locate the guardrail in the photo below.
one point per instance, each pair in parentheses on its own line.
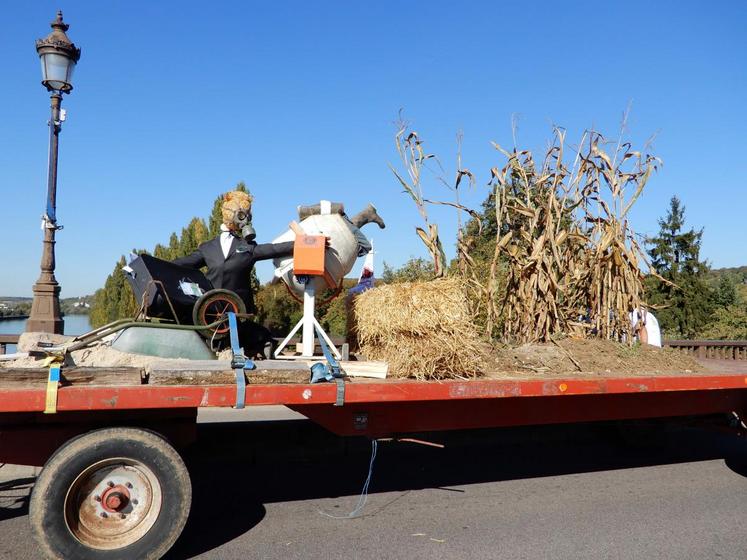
(711,349)
(6,339)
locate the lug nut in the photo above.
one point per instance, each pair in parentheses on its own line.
(129,485)
(134,502)
(122,516)
(110,484)
(104,514)
(97,498)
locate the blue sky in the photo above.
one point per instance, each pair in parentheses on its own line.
(175,102)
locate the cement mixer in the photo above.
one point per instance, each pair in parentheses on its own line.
(346,242)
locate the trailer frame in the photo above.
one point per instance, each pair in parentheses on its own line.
(138,407)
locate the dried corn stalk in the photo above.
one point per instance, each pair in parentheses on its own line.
(612,281)
(540,242)
(414,158)
(573,264)
(565,259)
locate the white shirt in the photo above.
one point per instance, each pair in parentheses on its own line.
(652,327)
(226,239)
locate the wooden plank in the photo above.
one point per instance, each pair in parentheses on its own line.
(223,365)
(77,376)
(219,372)
(377,370)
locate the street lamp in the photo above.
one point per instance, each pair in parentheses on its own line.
(58,57)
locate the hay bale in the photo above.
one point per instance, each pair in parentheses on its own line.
(422,329)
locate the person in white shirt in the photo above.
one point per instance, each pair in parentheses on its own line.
(646,327)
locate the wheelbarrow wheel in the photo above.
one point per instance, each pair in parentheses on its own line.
(214,306)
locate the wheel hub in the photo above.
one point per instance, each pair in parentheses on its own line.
(115,499)
(112,504)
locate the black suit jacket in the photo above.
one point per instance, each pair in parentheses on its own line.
(234,272)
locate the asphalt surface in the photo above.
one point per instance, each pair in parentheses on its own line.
(661,490)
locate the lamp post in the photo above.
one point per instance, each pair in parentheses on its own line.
(58,58)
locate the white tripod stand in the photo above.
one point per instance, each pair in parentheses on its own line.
(310,325)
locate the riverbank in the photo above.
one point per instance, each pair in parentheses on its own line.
(74,325)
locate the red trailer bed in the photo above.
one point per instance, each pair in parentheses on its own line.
(93,486)
(383,407)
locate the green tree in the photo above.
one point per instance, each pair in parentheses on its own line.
(115,300)
(414,270)
(334,320)
(173,251)
(161,252)
(481,231)
(192,236)
(683,295)
(276,309)
(729,323)
(726,293)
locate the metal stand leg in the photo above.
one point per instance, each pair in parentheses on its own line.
(311,327)
(308,320)
(283,344)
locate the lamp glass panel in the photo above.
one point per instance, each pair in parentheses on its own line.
(55,70)
(70,70)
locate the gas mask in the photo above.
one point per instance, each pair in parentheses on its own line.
(242,222)
(237,214)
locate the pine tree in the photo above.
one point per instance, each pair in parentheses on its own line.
(726,294)
(216,218)
(161,252)
(192,236)
(113,301)
(173,246)
(684,294)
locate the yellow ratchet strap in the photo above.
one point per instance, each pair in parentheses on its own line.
(53,383)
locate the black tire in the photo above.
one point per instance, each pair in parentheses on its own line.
(65,499)
(211,306)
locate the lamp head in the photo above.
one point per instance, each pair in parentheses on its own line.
(58,57)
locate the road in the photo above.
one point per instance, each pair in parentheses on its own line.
(545,492)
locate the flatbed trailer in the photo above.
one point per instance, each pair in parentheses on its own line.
(113,483)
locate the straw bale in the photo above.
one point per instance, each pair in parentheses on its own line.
(412,307)
(422,329)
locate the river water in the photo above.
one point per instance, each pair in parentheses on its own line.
(74,324)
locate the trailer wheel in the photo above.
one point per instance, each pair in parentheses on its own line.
(115,493)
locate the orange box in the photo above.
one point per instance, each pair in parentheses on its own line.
(308,255)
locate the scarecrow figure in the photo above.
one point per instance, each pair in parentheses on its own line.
(230,259)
